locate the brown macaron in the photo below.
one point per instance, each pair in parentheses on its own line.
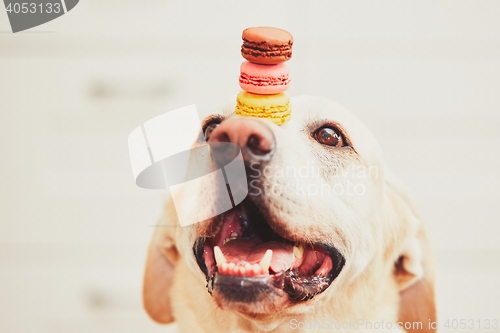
(266,45)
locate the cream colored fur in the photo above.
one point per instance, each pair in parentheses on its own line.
(389,271)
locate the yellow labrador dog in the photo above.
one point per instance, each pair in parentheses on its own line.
(326,239)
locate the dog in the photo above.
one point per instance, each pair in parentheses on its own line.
(327,237)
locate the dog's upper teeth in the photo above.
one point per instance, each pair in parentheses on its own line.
(265,262)
(228,239)
(234,234)
(219,257)
(298,251)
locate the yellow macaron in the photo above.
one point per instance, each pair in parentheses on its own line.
(275,107)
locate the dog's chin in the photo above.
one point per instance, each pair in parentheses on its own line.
(250,268)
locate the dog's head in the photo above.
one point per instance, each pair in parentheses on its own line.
(324,222)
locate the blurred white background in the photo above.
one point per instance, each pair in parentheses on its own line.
(423,75)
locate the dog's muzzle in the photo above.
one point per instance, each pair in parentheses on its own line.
(247,259)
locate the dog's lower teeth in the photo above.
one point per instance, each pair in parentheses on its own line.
(257,269)
(242,269)
(234,234)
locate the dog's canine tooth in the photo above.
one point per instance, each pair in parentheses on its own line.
(265,262)
(298,251)
(219,257)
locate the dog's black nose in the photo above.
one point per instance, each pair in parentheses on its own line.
(254,137)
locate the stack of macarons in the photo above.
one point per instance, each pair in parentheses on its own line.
(264,77)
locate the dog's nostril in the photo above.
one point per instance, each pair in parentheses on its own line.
(254,144)
(220,137)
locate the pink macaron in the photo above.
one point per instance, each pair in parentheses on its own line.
(264,79)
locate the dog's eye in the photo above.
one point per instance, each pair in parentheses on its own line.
(329,136)
(209,129)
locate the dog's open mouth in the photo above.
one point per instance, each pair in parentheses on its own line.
(247,258)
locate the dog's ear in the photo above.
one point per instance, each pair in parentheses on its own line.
(415,276)
(414,268)
(158,277)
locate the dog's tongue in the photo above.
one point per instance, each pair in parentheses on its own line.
(247,250)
